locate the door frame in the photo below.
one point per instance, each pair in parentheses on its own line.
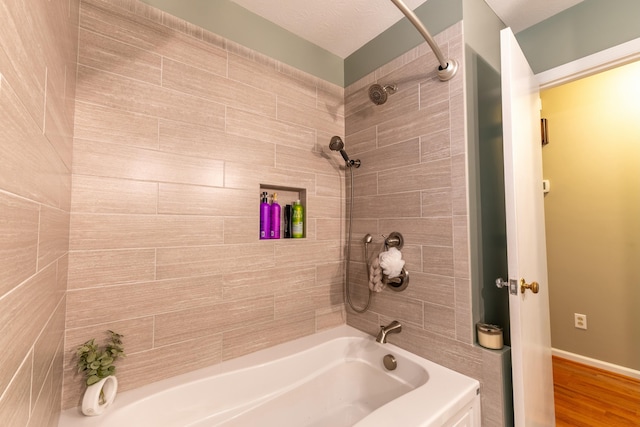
(604,60)
(583,67)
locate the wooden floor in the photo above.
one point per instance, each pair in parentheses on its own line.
(590,397)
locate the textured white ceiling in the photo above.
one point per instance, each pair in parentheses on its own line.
(339,26)
(344,26)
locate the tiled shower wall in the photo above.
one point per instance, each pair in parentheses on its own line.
(175,131)
(38,48)
(413,180)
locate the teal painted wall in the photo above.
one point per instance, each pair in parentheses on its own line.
(233,22)
(584,29)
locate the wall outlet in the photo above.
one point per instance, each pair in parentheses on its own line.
(580,320)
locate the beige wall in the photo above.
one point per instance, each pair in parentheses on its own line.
(37,82)
(592,214)
(413,180)
(176,128)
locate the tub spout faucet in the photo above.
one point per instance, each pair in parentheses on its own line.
(392,328)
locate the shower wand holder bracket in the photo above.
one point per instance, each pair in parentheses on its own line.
(398,283)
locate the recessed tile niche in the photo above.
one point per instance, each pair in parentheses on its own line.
(286,196)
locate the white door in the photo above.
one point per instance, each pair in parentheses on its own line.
(526,247)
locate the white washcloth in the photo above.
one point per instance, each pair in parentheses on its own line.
(391,262)
(375,276)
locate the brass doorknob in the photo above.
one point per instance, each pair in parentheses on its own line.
(534,286)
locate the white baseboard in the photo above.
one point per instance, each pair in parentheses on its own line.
(621,370)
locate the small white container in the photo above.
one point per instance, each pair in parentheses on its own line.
(490,336)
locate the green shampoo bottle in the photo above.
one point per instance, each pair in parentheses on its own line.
(297,220)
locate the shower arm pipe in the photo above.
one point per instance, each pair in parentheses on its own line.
(448,67)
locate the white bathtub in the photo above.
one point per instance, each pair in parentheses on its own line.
(334,378)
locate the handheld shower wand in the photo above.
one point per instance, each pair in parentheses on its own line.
(336,144)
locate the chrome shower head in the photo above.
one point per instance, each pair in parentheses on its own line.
(336,144)
(378,94)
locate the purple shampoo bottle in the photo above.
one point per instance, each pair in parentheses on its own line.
(265,217)
(275,217)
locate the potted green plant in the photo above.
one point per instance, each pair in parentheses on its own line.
(97,365)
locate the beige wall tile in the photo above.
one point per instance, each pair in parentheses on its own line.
(197,261)
(291,303)
(330,273)
(96,231)
(268,129)
(18,240)
(331,98)
(424,176)
(141,299)
(465,329)
(27,154)
(214,143)
(170,360)
(114,91)
(45,407)
(437,260)
(409,126)
(330,185)
(196,200)
(116,161)
(314,118)
(439,320)
(97,51)
(241,175)
(401,155)
(390,206)
(305,160)
(327,318)
(58,129)
(201,83)
(424,231)
(19,37)
(405,101)
(267,79)
(432,288)
(183,325)
(89,269)
(437,203)
(461,251)
(99,123)
(267,282)
(329,229)
(397,306)
(258,336)
(306,252)
(108,19)
(241,230)
(47,348)
(435,146)
(15,403)
(364,184)
(53,240)
(23,315)
(324,207)
(359,142)
(38,51)
(96,194)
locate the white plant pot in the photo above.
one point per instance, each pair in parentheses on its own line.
(92,404)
